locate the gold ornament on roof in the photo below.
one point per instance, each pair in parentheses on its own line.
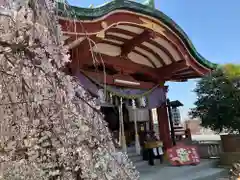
(104,24)
(153,26)
(101,34)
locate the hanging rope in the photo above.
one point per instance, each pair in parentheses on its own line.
(123,138)
(137,143)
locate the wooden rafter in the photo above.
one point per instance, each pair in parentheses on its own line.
(109,36)
(139,39)
(172,43)
(167,71)
(121,31)
(146,57)
(162,48)
(185,72)
(159,58)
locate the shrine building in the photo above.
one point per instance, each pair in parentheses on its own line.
(123,53)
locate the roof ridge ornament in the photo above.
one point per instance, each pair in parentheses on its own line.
(149,3)
(62,1)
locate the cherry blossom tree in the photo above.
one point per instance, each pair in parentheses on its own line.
(51,128)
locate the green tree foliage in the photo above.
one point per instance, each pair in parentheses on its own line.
(218,99)
(232,70)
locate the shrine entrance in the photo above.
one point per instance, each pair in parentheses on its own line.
(112,117)
(129,53)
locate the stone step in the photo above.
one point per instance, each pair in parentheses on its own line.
(136,158)
(140,164)
(132,154)
(131,149)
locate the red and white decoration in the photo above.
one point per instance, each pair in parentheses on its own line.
(183,155)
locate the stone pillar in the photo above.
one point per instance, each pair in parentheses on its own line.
(164,129)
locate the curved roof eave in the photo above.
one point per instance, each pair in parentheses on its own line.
(93,13)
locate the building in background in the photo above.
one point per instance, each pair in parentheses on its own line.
(179,129)
(196,129)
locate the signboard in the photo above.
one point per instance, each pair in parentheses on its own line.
(183,155)
(176,116)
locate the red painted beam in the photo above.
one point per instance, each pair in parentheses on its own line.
(82,52)
(184,77)
(167,71)
(99,76)
(136,40)
(126,66)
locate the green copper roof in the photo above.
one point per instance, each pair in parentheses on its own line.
(93,13)
(61,1)
(150,3)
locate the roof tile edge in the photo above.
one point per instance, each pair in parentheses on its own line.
(82,13)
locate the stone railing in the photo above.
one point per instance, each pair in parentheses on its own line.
(208,149)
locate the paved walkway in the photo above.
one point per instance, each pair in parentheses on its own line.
(203,171)
(206,170)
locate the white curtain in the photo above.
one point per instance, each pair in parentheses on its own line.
(141,115)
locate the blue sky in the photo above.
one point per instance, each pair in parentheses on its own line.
(212,25)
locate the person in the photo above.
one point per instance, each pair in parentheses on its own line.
(149,138)
(153,152)
(158,151)
(188,134)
